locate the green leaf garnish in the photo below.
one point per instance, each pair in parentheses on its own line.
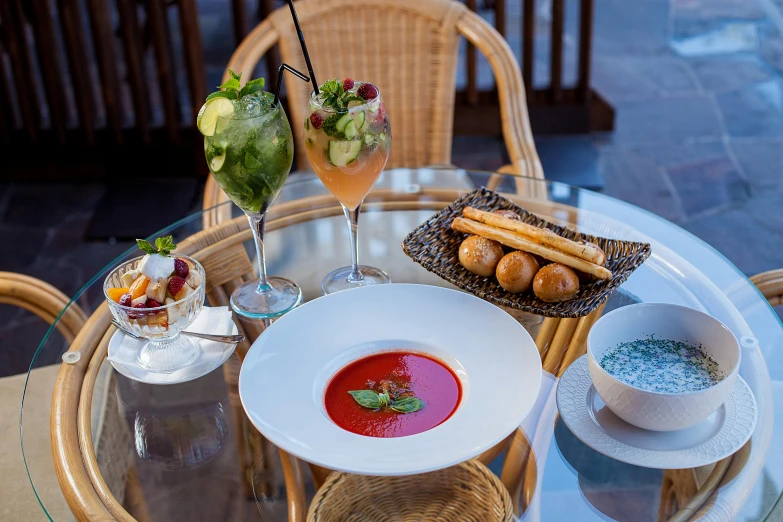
(374,401)
(233,89)
(407,404)
(163,245)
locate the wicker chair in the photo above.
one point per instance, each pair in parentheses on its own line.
(409,49)
(770,284)
(110,431)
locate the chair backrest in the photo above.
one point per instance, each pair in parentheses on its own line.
(409,49)
(43,300)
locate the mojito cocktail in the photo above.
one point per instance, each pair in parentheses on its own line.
(249,149)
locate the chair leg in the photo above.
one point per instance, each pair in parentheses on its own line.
(134,501)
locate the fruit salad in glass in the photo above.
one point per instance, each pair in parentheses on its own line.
(157,296)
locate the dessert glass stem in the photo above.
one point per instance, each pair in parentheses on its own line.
(257,223)
(353,226)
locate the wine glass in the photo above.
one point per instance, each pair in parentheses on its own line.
(250,155)
(347,141)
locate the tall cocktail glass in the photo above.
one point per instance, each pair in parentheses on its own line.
(347,140)
(250,155)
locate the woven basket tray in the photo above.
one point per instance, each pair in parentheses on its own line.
(435,246)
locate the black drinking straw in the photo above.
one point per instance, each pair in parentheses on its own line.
(304,46)
(285,67)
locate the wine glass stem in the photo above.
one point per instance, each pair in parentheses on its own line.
(353,226)
(257,221)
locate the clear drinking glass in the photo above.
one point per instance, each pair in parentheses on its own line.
(250,156)
(348,149)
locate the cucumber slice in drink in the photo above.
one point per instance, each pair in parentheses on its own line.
(342,122)
(350,130)
(358,119)
(210,112)
(341,153)
(216,163)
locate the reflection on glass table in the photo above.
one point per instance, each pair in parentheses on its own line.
(306,239)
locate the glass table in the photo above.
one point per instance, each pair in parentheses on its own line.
(127,450)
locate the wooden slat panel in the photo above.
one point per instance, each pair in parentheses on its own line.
(21,72)
(500,17)
(239,20)
(472,71)
(165,66)
(528,44)
(51,71)
(78,64)
(136,76)
(194,54)
(103,43)
(556,58)
(585,49)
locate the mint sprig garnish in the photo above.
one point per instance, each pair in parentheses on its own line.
(163,245)
(336,97)
(233,91)
(374,401)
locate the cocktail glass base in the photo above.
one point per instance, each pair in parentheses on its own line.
(169,355)
(278,297)
(340,279)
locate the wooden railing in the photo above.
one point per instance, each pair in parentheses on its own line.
(128,93)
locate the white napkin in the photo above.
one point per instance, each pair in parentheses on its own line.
(124,350)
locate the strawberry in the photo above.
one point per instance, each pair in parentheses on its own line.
(175,285)
(181,268)
(125,300)
(136,315)
(347,84)
(316,120)
(367,91)
(151,303)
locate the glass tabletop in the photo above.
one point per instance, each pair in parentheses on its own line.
(185,451)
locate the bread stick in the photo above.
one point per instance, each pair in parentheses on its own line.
(539,235)
(513,240)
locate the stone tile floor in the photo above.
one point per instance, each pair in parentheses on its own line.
(698,90)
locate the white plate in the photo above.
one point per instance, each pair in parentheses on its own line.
(211,355)
(718,436)
(284,375)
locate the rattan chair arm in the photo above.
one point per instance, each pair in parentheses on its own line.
(770,284)
(704,492)
(294,487)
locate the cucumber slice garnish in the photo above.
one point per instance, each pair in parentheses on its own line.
(350,130)
(216,163)
(359,119)
(341,153)
(342,122)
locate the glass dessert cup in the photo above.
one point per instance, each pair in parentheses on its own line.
(165,350)
(250,155)
(348,149)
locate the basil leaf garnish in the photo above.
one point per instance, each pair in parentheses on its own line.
(367,398)
(384,398)
(407,404)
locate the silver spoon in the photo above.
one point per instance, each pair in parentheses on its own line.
(229,339)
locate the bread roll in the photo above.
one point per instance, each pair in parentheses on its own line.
(516,271)
(480,255)
(555,283)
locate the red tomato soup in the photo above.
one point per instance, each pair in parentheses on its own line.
(401,374)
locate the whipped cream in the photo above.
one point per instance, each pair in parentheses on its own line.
(156,266)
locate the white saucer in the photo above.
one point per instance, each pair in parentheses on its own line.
(718,436)
(211,354)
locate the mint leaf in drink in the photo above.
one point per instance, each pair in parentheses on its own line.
(251,162)
(252,87)
(407,404)
(367,398)
(231,84)
(146,246)
(231,95)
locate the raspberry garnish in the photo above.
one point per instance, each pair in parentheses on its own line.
(175,285)
(316,120)
(367,91)
(136,315)
(126,300)
(181,268)
(347,84)
(151,303)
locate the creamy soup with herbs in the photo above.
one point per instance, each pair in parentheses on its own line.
(662,365)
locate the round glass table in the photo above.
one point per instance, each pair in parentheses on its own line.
(119,449)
